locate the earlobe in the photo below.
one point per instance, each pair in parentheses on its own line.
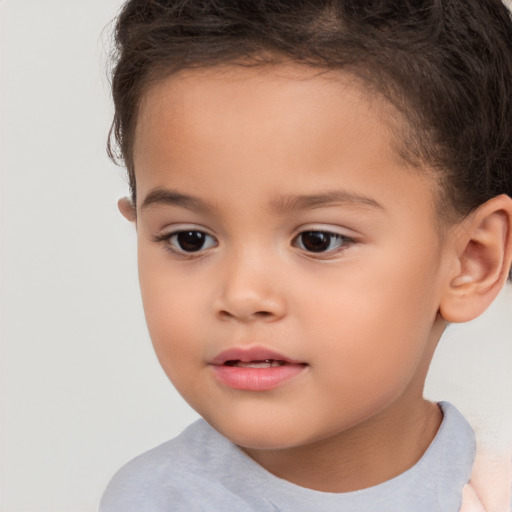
(127,209)
(484,259)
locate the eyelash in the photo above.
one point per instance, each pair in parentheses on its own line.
(166,239)
(343,242)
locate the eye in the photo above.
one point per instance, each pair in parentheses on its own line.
(321,241)
(187,241)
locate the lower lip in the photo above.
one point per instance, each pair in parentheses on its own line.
(256,379)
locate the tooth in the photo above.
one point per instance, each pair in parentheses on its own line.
(254,364)
(267,363)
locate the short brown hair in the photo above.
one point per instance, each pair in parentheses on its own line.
(445,64)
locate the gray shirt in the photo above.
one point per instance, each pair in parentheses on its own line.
(201,470)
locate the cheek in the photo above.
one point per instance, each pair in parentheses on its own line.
(173,311)
(174,329)
(363,350)
(369,328)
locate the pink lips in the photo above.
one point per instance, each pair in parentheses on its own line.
(254,369)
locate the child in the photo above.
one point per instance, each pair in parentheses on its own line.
(319,188)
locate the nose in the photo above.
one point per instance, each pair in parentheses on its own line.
(249,291)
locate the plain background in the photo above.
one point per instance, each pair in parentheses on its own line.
(81,389)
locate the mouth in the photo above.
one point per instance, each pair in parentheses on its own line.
(267,363)
(257,356)
(255,369)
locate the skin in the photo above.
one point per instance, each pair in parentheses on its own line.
(490,484)
(364,317)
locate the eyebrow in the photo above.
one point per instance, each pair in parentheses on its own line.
(286,204)
(279,205)
(166,197)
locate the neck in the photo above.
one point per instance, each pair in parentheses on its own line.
(383,447)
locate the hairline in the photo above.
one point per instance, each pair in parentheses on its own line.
(389,113)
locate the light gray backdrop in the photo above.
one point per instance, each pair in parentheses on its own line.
(81,389)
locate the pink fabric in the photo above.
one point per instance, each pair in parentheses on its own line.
(490,487)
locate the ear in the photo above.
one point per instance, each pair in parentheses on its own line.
(127,209)
(483,259)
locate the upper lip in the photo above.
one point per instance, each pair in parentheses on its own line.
(249,354)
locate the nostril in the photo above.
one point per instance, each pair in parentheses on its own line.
(256,315)
(248,307)
(225,314)
(263,314)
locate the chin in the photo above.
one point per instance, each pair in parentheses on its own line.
(266,434)
(260,441)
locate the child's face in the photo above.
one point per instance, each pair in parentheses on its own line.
(306,240)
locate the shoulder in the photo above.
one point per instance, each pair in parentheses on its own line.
(454,449)
(167,474)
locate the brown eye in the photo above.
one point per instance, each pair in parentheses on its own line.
(190,241)
(320,241)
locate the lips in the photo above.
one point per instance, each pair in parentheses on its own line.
(247,355)
(267,363)
(255,369)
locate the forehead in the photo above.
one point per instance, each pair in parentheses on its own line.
(284,121)
(289,97)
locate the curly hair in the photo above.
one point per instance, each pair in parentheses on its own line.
(446,65)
